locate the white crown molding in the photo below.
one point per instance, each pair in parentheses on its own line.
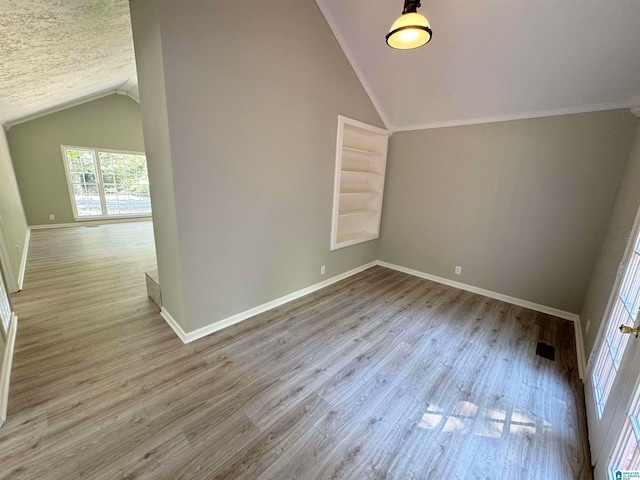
(128,94)
(127,87)
(351,58)
(516,116)
(59,108)
(133,97)
(130,83)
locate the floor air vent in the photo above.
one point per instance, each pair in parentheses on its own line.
(546,351)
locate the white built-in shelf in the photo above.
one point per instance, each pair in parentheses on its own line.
(360,172)
(361,157)
(356,237)
(359,193)
(359,151)
(348,213)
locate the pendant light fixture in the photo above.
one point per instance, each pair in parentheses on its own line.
(411,30)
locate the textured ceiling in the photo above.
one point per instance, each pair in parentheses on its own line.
(493,59)
(56,51)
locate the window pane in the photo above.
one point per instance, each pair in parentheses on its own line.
(624,312)
(82,169)
(627,453)
(123,174)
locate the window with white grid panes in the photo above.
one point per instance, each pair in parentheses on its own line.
(107,183)
(624,312)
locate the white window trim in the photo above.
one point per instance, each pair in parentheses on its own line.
(65,163)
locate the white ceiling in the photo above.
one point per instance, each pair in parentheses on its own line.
(493,60)
(53,52)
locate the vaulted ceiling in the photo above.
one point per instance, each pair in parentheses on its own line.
(488,60)
(53,52)
(493,59)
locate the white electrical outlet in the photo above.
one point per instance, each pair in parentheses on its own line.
(322,270)
(52,217)
(586,328)
(458,270)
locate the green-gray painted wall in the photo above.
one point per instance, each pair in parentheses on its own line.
(111,122)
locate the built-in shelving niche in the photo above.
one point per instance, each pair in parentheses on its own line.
(361,158)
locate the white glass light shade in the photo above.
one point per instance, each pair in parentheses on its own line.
(411,30)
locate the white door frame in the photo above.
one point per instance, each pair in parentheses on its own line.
(627,357)
(11,277)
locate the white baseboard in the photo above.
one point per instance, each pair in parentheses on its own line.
(487,293)
(187,337)
(5,368)
(23,260)
(84,223)
(175,326)
(506,298)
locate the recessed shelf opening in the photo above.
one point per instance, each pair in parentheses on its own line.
(361,155)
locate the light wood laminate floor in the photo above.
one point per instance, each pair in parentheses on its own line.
(380,376)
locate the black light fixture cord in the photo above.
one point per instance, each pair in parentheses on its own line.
(410,6)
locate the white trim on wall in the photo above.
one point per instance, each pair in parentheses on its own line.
(516,116)
(351,59)
(84,223)
(188,337)
(508,299)
(582,363)
(487,293)
(5,368)
(227,322)
(10,275)
(23,260)
(59,108)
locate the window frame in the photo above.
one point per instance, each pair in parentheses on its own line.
(101,193)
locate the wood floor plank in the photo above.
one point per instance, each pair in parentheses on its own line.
(379,376)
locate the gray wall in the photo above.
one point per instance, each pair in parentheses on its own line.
(252,123)
(150,67)
(109,122)
(625,208)
(13,224)
(522,206)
